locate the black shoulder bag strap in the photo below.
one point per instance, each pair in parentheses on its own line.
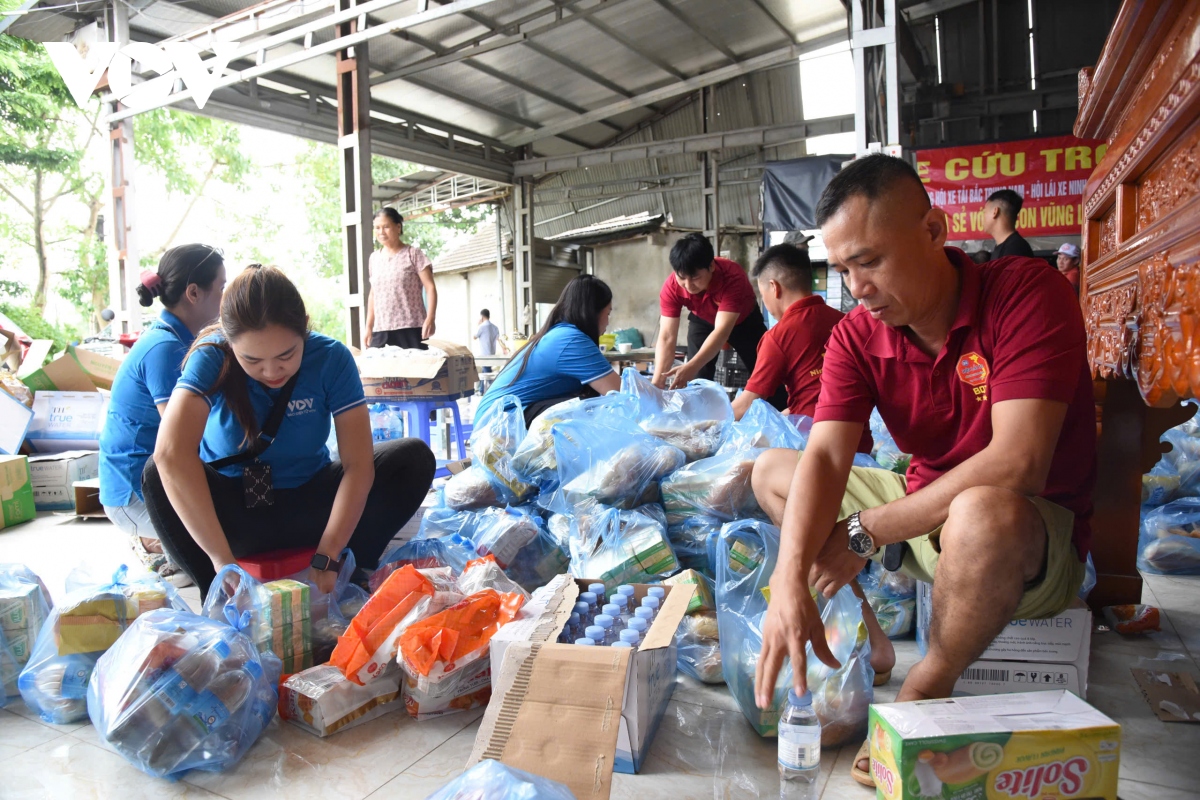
(269,429)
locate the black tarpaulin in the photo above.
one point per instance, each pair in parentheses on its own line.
(791,190)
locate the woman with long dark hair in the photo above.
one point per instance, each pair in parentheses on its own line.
(188,283)
(242,467)
(563,359)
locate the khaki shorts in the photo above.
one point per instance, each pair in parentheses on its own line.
(869,488)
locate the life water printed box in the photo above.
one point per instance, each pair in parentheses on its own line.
(67,421)
(554,707)
(16,491)
(54,475)
(1028,746)
(1028,655)
(446,371)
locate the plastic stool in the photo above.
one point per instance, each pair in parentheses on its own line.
(276,564)
(420,411)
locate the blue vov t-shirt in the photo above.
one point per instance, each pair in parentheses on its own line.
(145,378)
(328,385)
(561,363)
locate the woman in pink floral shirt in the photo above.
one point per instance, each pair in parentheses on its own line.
(396,312)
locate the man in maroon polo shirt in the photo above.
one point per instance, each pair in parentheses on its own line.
(722,308)
(980,372)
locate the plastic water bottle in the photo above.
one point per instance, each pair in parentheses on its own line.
(586,642)
(595,633)
(631,636)
(591,599)
(614,611)
(657,591)
(644,613)
(651,602)
(596,589)
(639,624)
(620,644)
(605,621)
(396,424)
(573,630)
(626,590)
(585,619)
(622,603)
(799,741)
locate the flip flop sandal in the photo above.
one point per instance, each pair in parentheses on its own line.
(882,677)
(862,776)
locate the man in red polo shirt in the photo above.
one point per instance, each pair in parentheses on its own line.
(722,309)
(979,371)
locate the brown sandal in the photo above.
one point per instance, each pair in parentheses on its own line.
(862,776)
(882,678)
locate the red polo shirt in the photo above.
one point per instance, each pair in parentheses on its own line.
(730,290)
(791,354)
(1018,335)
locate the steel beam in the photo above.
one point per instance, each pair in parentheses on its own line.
(932,7)
(257,20)
(523,255)
(700,143)
(124,269)
(709,200)
(354,161)
(691,25)
(633,47)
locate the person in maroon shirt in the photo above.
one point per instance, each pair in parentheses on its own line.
(722,308)
(979,371)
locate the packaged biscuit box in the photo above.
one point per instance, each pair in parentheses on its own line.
(1031,746)
(322,701)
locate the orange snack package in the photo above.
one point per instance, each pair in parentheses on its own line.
(370,642)
(460,632)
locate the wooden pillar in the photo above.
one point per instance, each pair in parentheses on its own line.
(124,269)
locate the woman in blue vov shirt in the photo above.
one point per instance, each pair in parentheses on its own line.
(563,359)
(208,516)
(189,282)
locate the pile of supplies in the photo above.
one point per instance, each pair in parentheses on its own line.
(24,606)
(1169,543)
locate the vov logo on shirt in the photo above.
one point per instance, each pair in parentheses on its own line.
(298,408)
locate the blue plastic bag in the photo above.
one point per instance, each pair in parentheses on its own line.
(763,427)
(893,598)
(1169,543)
(1089,578)
(494,440)
(179,691)
(746,557)
(440,522)
(692,539)
(697,638)
(24,606)
(612,463)
(695,418)
(503,533)
(79,630)
(491,780)
(717,486)
(534,461)
(447,551)
(472,489)
(886,453)
(539,561)
(616,547)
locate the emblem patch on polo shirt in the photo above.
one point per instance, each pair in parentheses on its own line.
(973,370)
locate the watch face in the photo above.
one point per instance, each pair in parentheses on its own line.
(861,543)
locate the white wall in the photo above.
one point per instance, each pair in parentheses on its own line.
(461,296)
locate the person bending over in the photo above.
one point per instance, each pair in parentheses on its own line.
(563,359)
(980,372)
(722,308)
(189,282)
(215,494)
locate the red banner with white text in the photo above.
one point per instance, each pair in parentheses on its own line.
(1049,173)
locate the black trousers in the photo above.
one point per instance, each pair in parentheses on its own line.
(409,338)
(403,474)
(744,339)
(535,408)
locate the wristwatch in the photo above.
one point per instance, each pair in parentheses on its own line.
(325,563)
(861,543)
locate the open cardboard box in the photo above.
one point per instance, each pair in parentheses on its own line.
(577,714)
(418,374)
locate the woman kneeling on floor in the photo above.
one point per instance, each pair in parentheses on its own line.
(241,465)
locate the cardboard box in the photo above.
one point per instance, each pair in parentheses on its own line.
(87,499)
(417,374)
(15,418)
(63,374)
(54,475)
(1028,655)
(16,491)
(552,704)
(1026,746)
(67,421)
(99,367)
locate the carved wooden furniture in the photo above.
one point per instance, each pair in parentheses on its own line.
(1141,248)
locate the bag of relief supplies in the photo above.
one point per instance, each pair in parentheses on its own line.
(618,547)
(439,523)
(93,615)
(695,418)
(607,461)
(179,691)
(547,556)
(24,606)
(494,440)
(452,552)
(470,489)
(370,642)
(331,613)
(762,427)
(491,780)
(323,701)
(504,532)
(691,538)
(893,598)
(717,486)
(485,573)
(746,557)
(445,657)
(1169,542)
(277,615)
(886,453)
(535,462)
(697,638)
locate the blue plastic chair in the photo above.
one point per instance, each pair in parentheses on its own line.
(416,416)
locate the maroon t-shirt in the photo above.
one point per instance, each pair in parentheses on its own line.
(791,354)
(730,290)
(1018,334)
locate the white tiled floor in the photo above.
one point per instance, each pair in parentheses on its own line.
(704,748)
